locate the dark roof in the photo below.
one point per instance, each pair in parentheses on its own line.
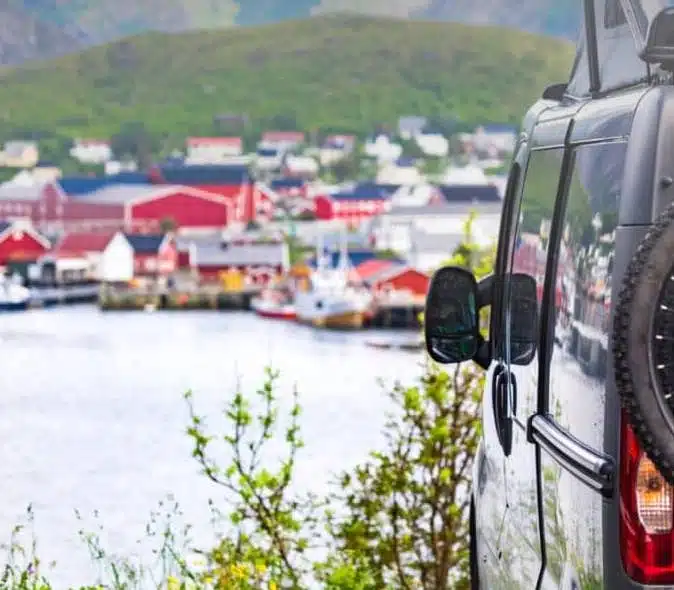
(468,193)
(75,186)
(145,243)
(4,226)
(281,183)
(356,258)
(499,128)
(205,174)
(367,191)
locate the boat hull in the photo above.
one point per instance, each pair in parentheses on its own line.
(351,320)
(14,306)
(273,311)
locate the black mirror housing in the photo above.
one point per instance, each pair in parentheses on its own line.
(659,48)
(451,320)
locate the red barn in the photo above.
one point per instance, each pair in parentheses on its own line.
(232,182)
(146,207)
(20,243)
(390,277)
(153,254)
(360,202)
(50,209)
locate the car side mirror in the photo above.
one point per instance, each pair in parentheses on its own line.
(451,321)
(523,323)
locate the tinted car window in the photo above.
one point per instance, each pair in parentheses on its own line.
(582,295)
(529,255)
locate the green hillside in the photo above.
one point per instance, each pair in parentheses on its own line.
(334,72)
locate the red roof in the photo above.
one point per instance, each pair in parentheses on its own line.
(81,243)
(372,267)
(297,136)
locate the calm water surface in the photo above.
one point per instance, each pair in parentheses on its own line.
(92,415)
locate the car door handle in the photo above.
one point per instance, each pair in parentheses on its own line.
(501,406)
(587,465)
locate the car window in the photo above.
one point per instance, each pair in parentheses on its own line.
(529,253)
(582,294)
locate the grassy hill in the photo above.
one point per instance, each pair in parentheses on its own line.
(329,72)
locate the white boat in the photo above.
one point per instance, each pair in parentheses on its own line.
(330,301)
(267,307)
(13,295)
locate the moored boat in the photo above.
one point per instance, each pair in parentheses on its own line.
(275,310)
(13,295)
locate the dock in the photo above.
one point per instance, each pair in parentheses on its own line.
(396,315)
(201,298)
(63,295)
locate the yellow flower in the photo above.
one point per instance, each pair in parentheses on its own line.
(273,586)
(260,567)
(172,583)
(239,571)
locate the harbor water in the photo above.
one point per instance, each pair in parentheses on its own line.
(92,415)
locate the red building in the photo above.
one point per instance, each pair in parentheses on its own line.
(49,209)
(153,254)
(20,243)
(361,202)
(387,277)
(146,208)
(232,182)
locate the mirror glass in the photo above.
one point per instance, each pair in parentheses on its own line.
(451,320)
(523,323)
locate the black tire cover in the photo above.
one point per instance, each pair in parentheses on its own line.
(638,319)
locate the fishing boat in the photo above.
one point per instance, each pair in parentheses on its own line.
(331,301)
(13,295)
(275,304)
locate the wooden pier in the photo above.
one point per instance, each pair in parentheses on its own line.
(202,298)
(396,315)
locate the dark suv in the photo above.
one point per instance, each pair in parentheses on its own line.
(573,479)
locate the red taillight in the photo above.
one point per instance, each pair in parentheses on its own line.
(646,515)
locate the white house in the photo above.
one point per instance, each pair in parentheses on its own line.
(212,150)
(433,144)
(105,257)
(497,139)
(91,151)
(428,235)
(403,173)
(383,149)
(20,154)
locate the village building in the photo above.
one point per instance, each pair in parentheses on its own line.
(212,150)
(19,154)
(91,151)
(427,235)
(283,140)
(88,256)
(50,210)
(392,281)
(212,257)
(354,204)
(154,255)
(151,208)
(20,243)
(232,182)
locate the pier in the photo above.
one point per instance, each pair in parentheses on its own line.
(201,298)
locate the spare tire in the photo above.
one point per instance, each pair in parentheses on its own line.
(643,343)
